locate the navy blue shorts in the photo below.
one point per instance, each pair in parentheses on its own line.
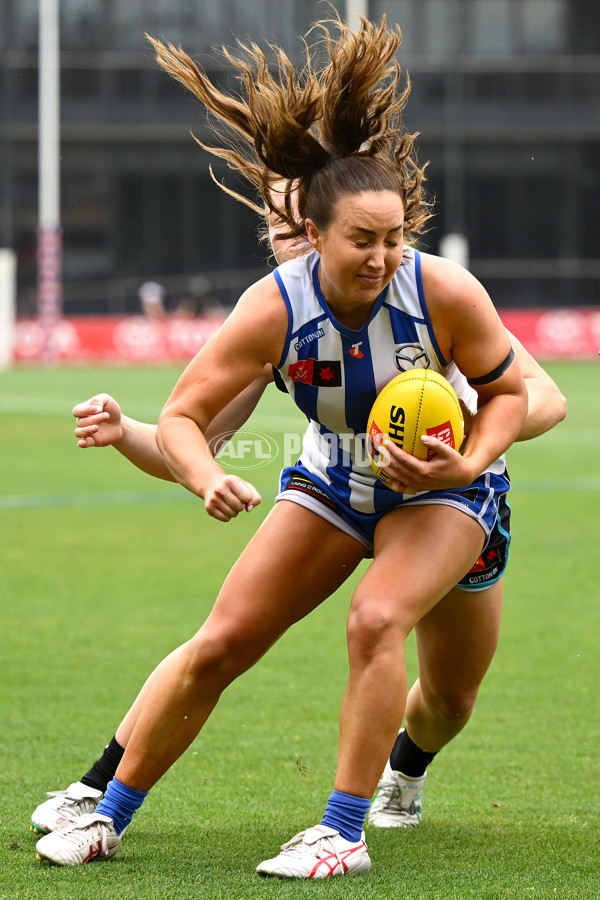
(484,500)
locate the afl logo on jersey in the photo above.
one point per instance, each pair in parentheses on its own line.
(411,356)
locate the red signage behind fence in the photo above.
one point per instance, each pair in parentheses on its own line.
(131,339)
(112,338)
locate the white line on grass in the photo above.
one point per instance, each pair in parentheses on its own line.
(40,406)
(545,485)
(130,498)
(35,406)
(106,498)
(571,436)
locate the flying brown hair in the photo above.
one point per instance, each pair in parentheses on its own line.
(332,129)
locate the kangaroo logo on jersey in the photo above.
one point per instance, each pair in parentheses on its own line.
(318,372)
(355,351)
(411,356)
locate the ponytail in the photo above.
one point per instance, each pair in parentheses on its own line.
(327,131)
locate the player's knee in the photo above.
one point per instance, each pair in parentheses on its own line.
(216,658)
(373,625)
(453,703)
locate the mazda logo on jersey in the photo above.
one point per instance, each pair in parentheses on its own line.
(319,372)
(411,356)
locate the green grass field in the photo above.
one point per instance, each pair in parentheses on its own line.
(103,571)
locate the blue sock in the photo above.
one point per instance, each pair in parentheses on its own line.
(119,803)
(346,813)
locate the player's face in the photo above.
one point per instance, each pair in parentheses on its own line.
(361,248)
(285,248)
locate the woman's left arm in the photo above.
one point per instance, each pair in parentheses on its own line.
(469,332)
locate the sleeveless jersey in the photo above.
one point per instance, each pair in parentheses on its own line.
(334,373)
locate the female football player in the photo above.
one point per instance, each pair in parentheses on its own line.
(337,132)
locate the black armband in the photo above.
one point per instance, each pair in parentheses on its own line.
(279,382)
(496,373)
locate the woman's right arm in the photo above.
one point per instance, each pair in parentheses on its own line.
(251,338)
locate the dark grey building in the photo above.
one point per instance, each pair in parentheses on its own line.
(506,96)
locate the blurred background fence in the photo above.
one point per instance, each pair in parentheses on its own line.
(505,96)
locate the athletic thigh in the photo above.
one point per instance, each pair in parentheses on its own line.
(420,553)
(456,642)
(294,561)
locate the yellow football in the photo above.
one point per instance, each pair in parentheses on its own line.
(413,404)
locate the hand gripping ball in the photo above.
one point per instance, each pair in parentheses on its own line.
(413,404)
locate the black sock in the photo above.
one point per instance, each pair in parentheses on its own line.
(407,758)
(104,768)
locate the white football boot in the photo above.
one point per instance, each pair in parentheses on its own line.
(319,852)
(64,807)
(89,838)
(398,801)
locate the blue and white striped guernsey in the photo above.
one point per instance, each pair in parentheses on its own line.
(334,373)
